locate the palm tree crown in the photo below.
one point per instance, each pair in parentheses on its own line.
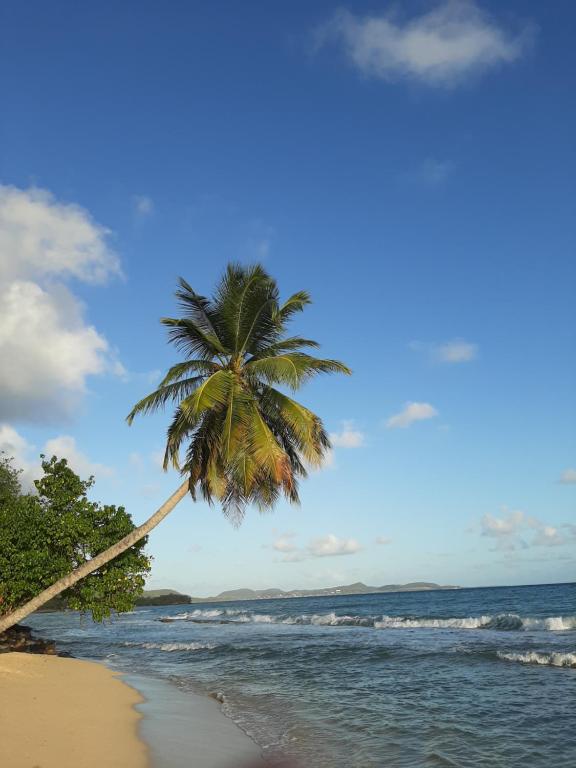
(246,441)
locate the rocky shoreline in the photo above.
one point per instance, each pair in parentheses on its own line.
(21,639)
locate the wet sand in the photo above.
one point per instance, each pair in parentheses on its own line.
(185,730)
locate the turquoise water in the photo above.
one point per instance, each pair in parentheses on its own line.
(473,677)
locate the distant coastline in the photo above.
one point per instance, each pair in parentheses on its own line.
(172,597)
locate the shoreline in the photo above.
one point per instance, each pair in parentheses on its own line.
(177,724)
(56,710)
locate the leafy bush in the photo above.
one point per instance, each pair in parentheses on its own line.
(47,535)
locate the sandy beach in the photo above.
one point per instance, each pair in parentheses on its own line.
(66,713)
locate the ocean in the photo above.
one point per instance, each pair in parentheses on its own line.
(470,678)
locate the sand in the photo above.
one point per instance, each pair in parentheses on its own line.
(65,713)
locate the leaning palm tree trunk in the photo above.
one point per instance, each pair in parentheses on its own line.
(96,562)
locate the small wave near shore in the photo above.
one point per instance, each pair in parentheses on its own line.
(172,646)
(543,659)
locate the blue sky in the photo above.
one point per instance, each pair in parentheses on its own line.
(411,165)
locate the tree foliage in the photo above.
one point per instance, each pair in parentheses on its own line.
(9,479)
(46,535)
(245,440)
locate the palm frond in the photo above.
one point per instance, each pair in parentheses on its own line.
(292,368)
(203,448)
(203,367)
(247,297)
(262,327)
(296,303)
(265,449)
(243,475)
(235,421)
(198,308)
(158,399)
(181,428)
(304,426)
(211,394)
(291,344)
(190,339)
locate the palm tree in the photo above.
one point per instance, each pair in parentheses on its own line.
(246,442)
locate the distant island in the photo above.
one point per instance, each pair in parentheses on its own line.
(163,597)
(172,597)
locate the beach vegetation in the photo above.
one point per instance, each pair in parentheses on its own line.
(46,535)
(9,479)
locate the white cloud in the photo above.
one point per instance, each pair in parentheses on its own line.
(348,437)
(323,546)
(440,48)
(64,447)
(510,524)
(458,351)
(13,445)
(548,536)
(568,477)
(410,413)
(42,237)
(51,352)
(455,351)
(383,540)
(331,545)
(43,333)
(510,531)
(26,458)
(284,543)
(143,205)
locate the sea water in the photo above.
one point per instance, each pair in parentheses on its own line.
(476,678)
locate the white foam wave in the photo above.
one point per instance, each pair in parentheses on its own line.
(552,623)
(196,615)
(200,614)
(503,621)
(263,618)
(401,622)
(174,646)
(544,659)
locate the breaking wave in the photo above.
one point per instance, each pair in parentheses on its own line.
(174,646)
(544,659)
(197,614)
(504,621)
